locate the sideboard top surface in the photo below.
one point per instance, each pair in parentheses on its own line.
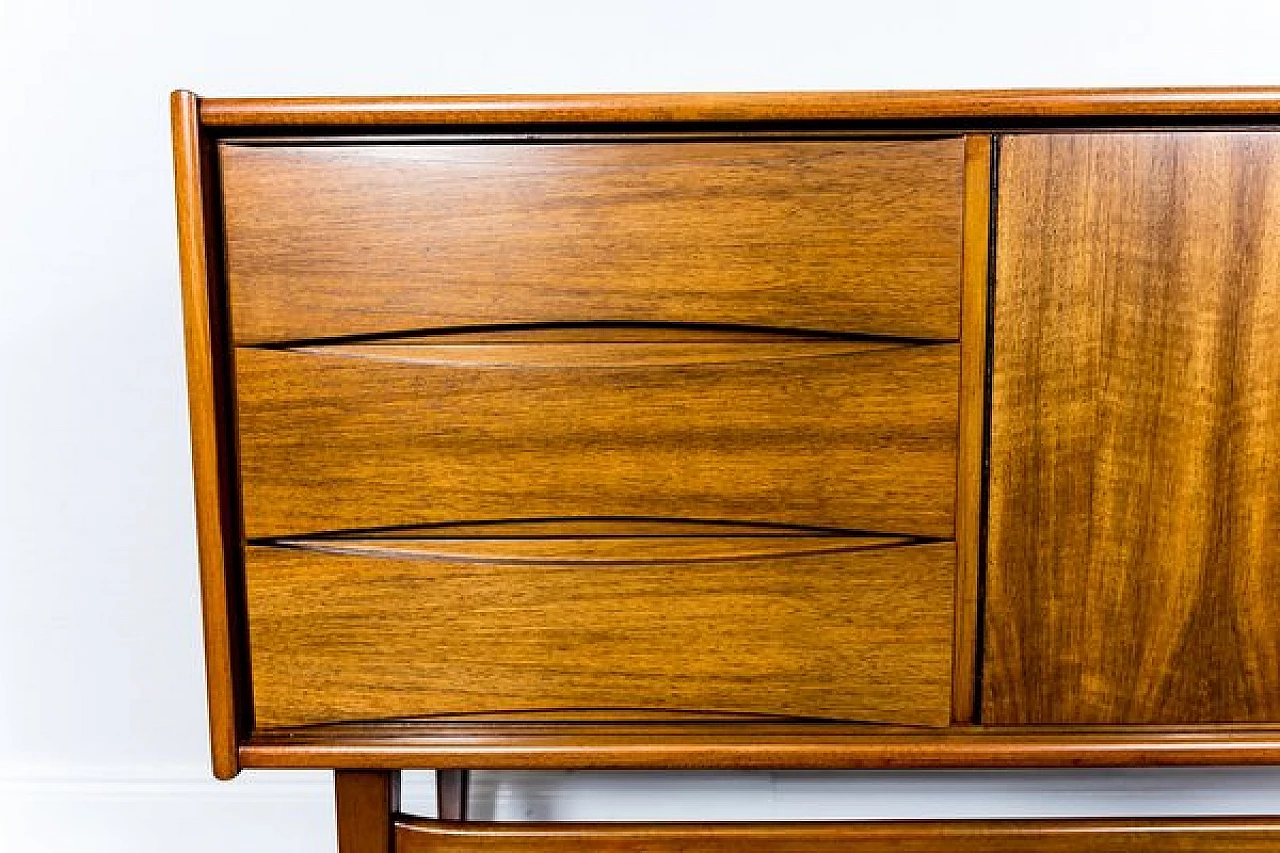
(983,107)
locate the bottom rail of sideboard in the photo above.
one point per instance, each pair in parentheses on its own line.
(1172,835)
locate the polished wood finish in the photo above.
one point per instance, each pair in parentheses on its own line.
(857,634)
(584,530)
(976,108)
(1156,835)
(611,550)
(331,240)
(973,407)
(1180,311)
(366,802)
(216,528)
(576,716)
(1135,487)
(338,438)
(452,794)
(459,350)
(756,746)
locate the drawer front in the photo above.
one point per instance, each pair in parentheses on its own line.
(804,626)
(854,236)
(857,436)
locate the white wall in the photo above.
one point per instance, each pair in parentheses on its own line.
(102,742)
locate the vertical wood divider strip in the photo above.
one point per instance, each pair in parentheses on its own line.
(973,368)
(207,443)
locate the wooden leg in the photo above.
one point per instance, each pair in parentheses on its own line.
(451,794)
(367,801)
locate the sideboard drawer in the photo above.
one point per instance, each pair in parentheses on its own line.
(841,627)
(850,236)
(838,434)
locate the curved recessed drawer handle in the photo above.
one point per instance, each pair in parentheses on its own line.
(600,552)
(595,355)
(605,714)
(585,527)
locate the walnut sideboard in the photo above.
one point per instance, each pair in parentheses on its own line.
(863,430)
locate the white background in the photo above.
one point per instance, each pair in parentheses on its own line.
(102,722)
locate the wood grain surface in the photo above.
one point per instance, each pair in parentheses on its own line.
(337,438)
(584,529)
(607,551)
(365,805)
(862,634)
(1135,484)
(971,475)
(331,240)
(1152,835)
(204,332)
(766,744)
(979,107)
(1133,534)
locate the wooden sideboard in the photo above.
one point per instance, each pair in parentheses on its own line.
(818,430)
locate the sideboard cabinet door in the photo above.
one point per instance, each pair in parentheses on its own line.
(1134,529)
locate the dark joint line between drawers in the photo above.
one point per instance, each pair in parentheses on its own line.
(700,332)
(527,528)
(360,548)
(567,135)
(542,719)
(770,541)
